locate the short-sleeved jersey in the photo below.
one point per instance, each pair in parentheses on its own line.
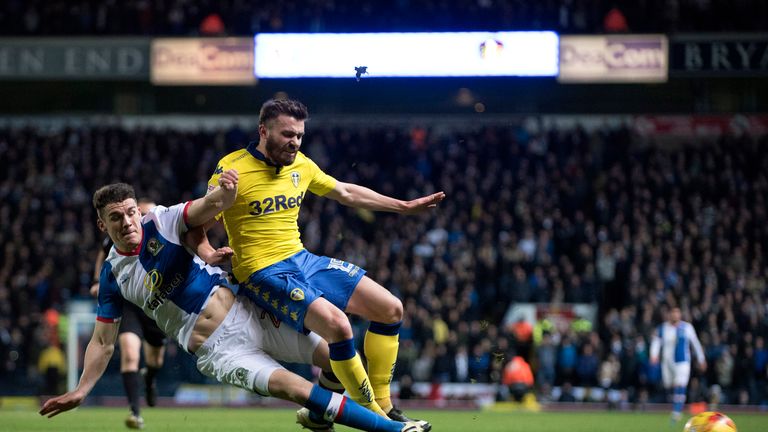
(169,283)
(675,342)
(262,224)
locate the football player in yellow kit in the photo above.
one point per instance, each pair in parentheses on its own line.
(307,291)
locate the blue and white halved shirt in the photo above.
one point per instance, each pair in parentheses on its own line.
(167,281)
(675,342)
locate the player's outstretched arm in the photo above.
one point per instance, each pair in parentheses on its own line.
(206,208)
(97,356)
(197,240)
(357,196)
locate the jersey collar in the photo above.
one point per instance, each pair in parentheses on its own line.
(136,250)
(260,156)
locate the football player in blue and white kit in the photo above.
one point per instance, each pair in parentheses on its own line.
(135,326)
(674,339)
(195,303)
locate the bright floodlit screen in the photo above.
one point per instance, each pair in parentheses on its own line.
(299,55)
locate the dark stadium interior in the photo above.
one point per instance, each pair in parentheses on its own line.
(393,96)
(240,17)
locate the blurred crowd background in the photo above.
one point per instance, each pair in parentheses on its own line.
(533,214)
(244,18)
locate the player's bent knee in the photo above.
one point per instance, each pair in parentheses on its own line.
(156,363)
(328,321)
(339,327)
(392,312)
(129,361)
(154,356)
(397,312)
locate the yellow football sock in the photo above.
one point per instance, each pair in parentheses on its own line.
(381,345)
(351,373)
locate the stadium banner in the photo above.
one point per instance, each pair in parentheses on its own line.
(719,55)
(74,58)
(202,61)
(613,59)
(701,126)
(449,54)
(560,315)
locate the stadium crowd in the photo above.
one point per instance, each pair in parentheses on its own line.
(559,216)
(244,18)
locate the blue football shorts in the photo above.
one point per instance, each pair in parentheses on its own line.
(287,288)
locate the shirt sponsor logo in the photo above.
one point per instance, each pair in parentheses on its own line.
(153,280)
(274,204)
(161,292)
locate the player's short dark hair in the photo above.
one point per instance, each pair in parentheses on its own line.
(275,107)
(112,193)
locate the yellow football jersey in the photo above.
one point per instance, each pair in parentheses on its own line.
(262,224)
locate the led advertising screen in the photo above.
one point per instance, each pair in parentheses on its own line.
(336,55)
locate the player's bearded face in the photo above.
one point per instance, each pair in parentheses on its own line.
(283,139)
(122,221)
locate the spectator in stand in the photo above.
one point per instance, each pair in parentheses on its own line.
(518,377)
(406,388)
(761,370)
(615,21)
(566,360)
(61,17)
(212,25)
(587,366)
(566,393)
(546,356)
(608,375)
(480,362)
(52,365)
(522,331)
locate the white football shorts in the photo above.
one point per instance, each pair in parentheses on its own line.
(675,374)
(244,349)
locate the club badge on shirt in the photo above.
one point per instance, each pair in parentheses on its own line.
(154,246)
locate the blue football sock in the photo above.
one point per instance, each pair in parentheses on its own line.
(678,400)
(334,407)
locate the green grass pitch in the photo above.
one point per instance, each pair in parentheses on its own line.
(283,420)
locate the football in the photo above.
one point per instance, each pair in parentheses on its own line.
(710,422)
